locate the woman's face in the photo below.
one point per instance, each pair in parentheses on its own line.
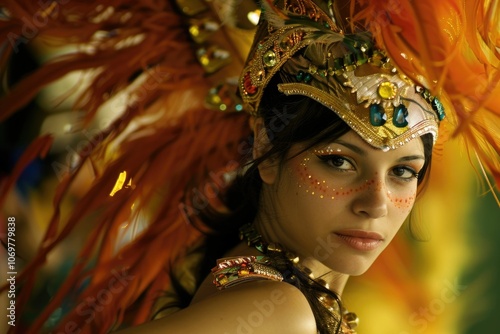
(341,202)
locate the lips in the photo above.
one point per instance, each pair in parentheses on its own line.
(360,239)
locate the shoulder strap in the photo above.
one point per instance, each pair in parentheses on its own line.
(235,270)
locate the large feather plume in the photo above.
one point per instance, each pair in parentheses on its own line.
(452,47)
(160,158)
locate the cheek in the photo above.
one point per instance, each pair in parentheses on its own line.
(402,201)
(309,183)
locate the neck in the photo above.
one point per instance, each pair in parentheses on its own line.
(336,281)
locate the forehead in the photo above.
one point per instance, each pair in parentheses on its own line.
(352,141)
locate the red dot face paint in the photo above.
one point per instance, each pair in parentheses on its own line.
(311,184)
(315,185)
(402,202)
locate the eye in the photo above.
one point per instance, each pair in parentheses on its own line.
(405,173)
(337,162)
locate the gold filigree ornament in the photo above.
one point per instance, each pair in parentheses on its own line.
(344,72)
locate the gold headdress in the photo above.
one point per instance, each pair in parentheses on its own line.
(301,40)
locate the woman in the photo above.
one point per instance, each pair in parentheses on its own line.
(321,192)
(342,143)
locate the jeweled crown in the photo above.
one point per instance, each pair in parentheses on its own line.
(300,41)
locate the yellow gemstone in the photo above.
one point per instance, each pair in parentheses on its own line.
(215,99)
(194,30)
(222,279)
(387,90)
(243,272)
(204,60)
(350,68)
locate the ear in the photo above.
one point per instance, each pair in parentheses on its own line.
(268,169)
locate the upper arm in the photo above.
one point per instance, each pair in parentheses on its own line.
(253,307)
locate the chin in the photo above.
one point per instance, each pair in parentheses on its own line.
(351,267)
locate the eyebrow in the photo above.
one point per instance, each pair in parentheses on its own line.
(412,157)
(350,146)
(360,151)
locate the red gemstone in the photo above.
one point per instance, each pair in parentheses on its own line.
(247,85)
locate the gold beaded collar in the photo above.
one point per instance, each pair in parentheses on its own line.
(299,41)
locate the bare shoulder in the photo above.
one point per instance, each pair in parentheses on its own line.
(253,307)
(272,307)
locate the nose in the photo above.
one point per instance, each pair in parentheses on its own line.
(372,200)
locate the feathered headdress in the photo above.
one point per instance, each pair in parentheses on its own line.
(143,49)
(302,43)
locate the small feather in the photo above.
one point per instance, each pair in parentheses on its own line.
(273,15)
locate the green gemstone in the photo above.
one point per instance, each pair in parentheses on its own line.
(307,78)
(260,246)
(349,59)
(269,58)
(338,63)
(299,76)
(377,115)
(399,117)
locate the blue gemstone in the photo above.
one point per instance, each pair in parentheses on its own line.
(377,115)
(438,108)
(399,117)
